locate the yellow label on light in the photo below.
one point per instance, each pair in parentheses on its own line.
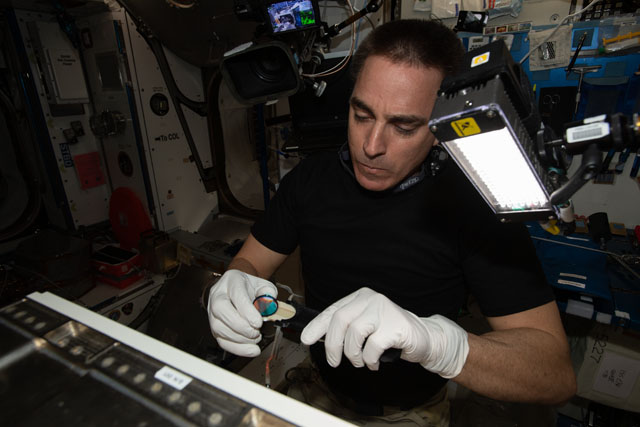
(466,127)
(480,59)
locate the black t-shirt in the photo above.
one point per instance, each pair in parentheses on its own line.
(424,248)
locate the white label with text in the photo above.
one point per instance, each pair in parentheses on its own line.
(175,379)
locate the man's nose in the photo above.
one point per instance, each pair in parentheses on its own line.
(375,144)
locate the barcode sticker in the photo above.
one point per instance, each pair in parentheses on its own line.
(572,283)
(175,379)
(587,132)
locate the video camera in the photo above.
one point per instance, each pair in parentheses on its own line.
(291,38)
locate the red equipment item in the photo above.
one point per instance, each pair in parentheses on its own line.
(117,267)
(128,217)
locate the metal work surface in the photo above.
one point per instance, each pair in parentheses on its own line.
(81,368)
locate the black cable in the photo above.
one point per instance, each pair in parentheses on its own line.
(199,108)
(370,22)
(150,308)
(153,304)
(179,99)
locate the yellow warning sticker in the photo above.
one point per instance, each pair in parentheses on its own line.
(480,59)
(466,127)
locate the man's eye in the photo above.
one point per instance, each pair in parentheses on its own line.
(360,117)
(404,130)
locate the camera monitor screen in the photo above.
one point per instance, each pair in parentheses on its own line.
(292,15)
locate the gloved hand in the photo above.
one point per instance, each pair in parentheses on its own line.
(435,342)
(235,322)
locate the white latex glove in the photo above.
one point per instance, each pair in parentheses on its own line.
(435,342)
(235,322)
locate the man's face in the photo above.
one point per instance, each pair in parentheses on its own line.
(388,114)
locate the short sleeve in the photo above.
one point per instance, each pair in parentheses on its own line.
(277,227)
(504,273)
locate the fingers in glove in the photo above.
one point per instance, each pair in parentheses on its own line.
(221,330)
(266,288)
(242,300)
(245,350)
(376,345)
(332,323)
(356,336)
(317,328)
(228,314)
(352,307)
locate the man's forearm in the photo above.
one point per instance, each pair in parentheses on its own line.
(243,265)
(256,259)
(524,364)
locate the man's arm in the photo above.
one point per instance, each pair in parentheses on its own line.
(256,259)
(525,358)
(235,323)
